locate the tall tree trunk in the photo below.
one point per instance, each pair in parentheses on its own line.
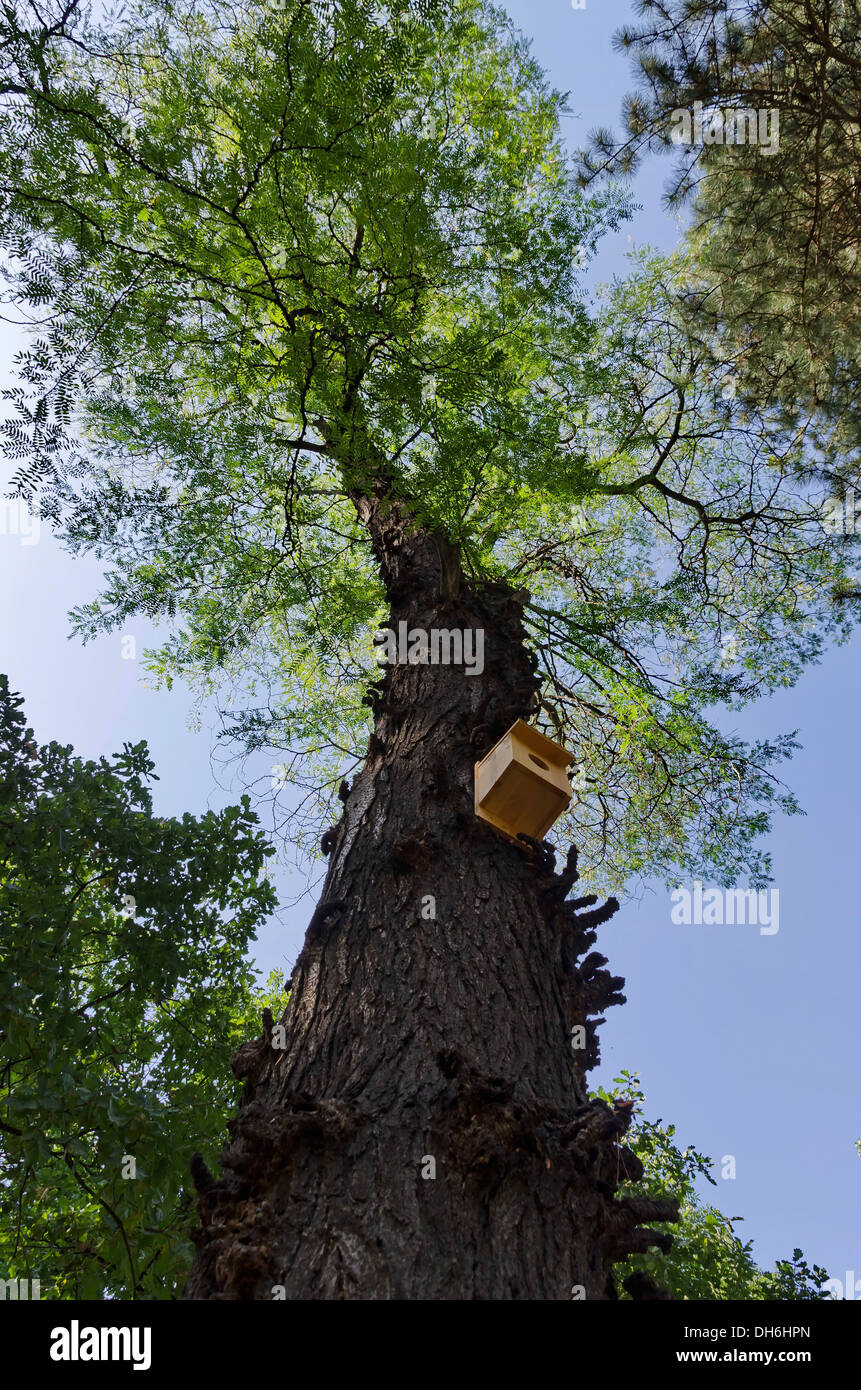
(425,1133)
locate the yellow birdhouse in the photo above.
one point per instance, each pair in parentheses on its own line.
(522,787)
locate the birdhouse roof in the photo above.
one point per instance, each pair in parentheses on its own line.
(541,744)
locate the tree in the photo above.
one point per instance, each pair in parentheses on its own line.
(311,277)
(123,993)
(108,1086)
(775,226)
(112,1086)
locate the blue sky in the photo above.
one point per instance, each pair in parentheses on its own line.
(743,1040)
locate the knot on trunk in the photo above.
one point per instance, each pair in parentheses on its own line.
(265,1136)
(545,858)
(413,855)
(200,1174)
(321,919)
(251,1060)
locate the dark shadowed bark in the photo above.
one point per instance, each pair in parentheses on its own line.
(412,1037)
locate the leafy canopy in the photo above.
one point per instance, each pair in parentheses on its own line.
(775,235)
(284,255)
(124,991)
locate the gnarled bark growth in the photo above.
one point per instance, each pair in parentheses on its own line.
(411,1037)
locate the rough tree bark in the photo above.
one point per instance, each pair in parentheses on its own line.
(410,1037)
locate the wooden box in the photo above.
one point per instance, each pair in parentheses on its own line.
(522,785)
